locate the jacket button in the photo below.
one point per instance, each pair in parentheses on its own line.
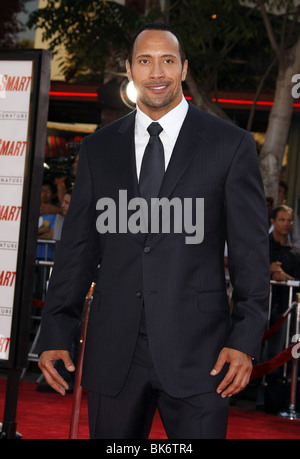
(138,294)
(147,249)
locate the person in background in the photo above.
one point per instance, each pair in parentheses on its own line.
(60,218)
(46,220)
(45,250)
(282,193)
(294,235)
(284,267)
(284,259)
(66,182)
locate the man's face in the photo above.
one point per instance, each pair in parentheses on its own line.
(157,72)
(65,204)
(283,222)
(46,194)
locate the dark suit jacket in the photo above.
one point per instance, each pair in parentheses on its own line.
(182,286)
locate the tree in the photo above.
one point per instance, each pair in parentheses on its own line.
(94,33)
(211,32)
(219,36)
(286,48)
(9,24)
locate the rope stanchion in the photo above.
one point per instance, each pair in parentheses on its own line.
(272,330)
(77,394)
(265,368)
(291,412)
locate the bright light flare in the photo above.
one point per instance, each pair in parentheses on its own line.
(131,92)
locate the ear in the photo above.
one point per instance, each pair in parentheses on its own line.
(128,70)
(184,70)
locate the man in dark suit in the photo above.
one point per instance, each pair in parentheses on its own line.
(160,330)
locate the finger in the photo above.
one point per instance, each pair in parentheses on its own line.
(53,378)
(234,383)
(50,357)
(233,376)
(58,385)
(219,364)
(69,365)
(235,387)
(226,381)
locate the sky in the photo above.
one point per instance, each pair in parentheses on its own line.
(31,5)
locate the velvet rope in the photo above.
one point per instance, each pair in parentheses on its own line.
(264,368)
(38,303)
(272,330)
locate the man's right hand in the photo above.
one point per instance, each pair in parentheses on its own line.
(53,378)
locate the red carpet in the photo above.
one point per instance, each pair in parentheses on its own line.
(47,416)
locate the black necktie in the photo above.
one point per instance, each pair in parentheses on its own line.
(153,164)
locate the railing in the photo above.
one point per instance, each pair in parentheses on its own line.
(46,263)
(282,359)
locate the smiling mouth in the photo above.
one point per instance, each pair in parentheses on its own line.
(157,88)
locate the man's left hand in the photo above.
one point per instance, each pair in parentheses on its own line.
(239,372)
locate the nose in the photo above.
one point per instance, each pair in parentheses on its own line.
(156,71)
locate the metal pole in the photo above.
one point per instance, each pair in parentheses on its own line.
(77,396)
(11,400)
(265,348)
(291,413)
(294,378)
(288,328)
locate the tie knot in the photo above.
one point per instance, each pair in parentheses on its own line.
(154,129)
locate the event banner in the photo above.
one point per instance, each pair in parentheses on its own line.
(15,89)
(17,139)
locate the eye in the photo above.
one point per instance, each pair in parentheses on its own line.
(144,61)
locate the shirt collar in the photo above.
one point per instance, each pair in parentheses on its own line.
(171,122)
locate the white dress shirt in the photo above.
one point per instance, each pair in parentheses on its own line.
(171,124)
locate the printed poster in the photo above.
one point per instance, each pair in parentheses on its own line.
(15,90)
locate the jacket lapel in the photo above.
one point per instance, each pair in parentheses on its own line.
(127,166)
(185,148)
(127,163)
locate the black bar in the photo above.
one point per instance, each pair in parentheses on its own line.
(9,427)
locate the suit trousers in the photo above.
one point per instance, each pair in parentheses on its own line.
(129,414)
